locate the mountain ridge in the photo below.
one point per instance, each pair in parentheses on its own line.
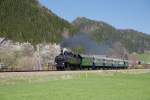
(131,39)
(29,21)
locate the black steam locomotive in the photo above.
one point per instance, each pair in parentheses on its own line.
(71,61)
(68,61)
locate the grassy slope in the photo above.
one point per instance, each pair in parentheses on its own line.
(94,87)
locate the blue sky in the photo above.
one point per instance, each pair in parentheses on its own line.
(123,14)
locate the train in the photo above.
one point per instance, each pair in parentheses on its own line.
(67,60)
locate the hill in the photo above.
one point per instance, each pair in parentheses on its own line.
(29,21)
(102,32)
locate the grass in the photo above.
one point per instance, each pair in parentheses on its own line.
(114,86)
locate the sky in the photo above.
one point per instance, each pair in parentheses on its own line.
(122,14)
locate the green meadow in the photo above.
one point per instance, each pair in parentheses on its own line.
(115,86)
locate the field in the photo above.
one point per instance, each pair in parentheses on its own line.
(97,85)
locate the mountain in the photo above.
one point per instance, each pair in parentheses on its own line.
(102,32)
(29,21)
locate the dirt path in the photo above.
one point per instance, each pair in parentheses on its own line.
(47,73)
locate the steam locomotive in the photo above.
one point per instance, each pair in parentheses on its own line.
(71,61)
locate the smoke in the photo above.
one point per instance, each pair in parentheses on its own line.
(86,41)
